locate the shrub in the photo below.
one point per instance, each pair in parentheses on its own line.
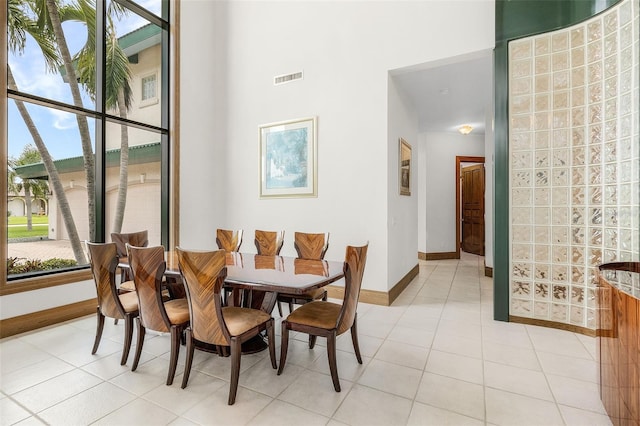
(16,265)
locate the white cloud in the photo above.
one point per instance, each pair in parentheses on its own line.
(63,120)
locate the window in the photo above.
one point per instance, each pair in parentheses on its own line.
(83,164)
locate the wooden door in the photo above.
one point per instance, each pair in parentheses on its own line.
(473,209)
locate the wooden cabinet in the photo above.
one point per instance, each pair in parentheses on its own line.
(619,341)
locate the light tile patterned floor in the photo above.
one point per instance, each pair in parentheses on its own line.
(434,357)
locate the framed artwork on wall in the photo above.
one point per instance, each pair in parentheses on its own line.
(288,159)
(405,167)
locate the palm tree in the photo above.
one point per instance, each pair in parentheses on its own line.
(36,187)
(19,25)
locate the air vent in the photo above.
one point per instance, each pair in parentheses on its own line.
(287,78)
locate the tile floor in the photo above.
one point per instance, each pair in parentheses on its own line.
(434,357)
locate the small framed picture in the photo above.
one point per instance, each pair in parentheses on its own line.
(405,167)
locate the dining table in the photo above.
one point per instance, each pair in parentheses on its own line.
(255,280)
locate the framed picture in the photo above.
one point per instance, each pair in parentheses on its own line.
(288,159)
(405,167)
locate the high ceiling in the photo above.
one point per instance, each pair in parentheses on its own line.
(451,93)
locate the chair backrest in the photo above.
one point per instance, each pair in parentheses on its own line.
(269,243)
(136,239)
(203,273)
(311,246)
(229,240)
(147,266)
(354,262)
(104,260)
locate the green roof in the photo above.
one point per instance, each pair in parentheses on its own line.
(140,39)
(138,154)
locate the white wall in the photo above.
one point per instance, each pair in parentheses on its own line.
(440,151)
(488,189)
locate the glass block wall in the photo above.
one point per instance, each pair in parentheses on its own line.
(574,163)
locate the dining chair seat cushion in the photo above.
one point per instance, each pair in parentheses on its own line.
(317,314)
(239,320)
(127,286)
(177,311)
(129,301)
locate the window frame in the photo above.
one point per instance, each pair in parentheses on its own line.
(154,99)
(168,136)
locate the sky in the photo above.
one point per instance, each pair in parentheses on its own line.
(58,129)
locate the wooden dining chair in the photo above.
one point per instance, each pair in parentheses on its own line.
(204,273)
(172,316)
(136,239)
(327,319)
(308,246)
(111,303)
(229,240)
(269,243)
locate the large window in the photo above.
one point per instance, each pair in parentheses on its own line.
(88,130)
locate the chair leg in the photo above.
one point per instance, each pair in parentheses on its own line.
(312,341)
(354,339)
(284,345)
(99,328)
(141,333)
(280,308)
(176,332)
(128,336)
(115,321)
(290,306)
(189,360)
(333,365)
(236,353)
(272,343)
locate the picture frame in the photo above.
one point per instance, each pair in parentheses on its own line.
(288,159)
(404,167)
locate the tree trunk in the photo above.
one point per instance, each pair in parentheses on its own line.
(27,199)
(54,178)
(124,167)
(83,126)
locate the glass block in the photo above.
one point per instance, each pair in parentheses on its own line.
(592,276)
(521,270)
(560,80)
(542,196)
(625,148)
(542,158)
(560,235)
(542,177)
(560,274)
(611,22)
(625,13)
(521,160)
(595,257)
(560,215)
(542,45)
(560,177)
(521,251)
(542,290)
(626,171)
(542,234)
(521,307)
(577,235)
(577,213)
(592,319)
(560,138)
(611,216)
(626,36)
(520,234)
(595,236)
(577,117)
(560,196)
(578,175)
(560,254)
(521,68)
(559,293)
(595,111)
(577,56)
(560,41)
(577,275)
(578,198)
(541,310)
(519,49)
(595,175)
(610,45)
(521,197)
(610,88)
(578,96)
(610,256)
(542,64)
(521,215)
(520,288)
(542,216)
(611,238)
(542,140)
(521,178)
(577,36)
(578,156)
(520,141)
(611,67)
(595,195)
(591,297)
(594,30)
(594,72)
(610,173)
(610,109)
(626,256)
(521,104)
(626,126)
(560,119)
(542,99)
(577,255)
(625,218)
(577,295)
(626,81)
(576,315)
(521,123)
(520,86)
(560,157)
(626,59)
(541,120)
(560,61)
(594,52)
(559,312)
(595,216)
(595,134)
(595,154)
(626,104)
(626,193)
(577,136)
(578,76)
(610,152)
(541,255)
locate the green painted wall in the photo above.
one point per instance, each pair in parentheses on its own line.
(516,19)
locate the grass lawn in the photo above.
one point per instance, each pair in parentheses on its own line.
(19,227)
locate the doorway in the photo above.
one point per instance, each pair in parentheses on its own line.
(470,185)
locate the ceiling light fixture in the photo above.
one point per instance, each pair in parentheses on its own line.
(465,130)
